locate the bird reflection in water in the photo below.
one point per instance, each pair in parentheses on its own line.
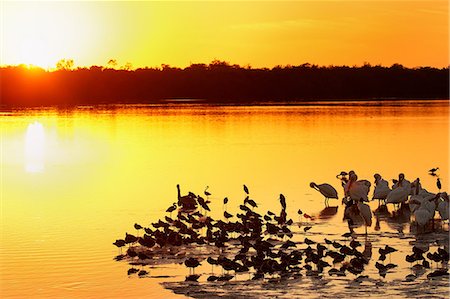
(328,212)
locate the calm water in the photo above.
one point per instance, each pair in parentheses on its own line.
(73,181)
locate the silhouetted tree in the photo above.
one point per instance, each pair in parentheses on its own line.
(218,82)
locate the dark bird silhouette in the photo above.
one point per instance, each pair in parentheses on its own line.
(172,208)
(227,215)
(203,203)
(130,238)
(187,202)
(132,271)
(307,228)
(438,184)
(326,190)
(245,189)
(142,273)
(192,263)
(119,243)
(283,201)
(433,170)
(137,227)
(206,192)
(251,202)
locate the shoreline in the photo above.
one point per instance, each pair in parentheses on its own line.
(199,102)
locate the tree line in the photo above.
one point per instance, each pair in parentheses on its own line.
(219,82)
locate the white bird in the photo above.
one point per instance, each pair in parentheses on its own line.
(359,189)
(414,202)
(425,212)
(382,189)
(422,216)
(443,207)
(397,195)
(402,182)
(366,213)
(326,190)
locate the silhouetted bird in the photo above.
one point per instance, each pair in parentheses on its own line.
(438,184)
(187,201)
(206,192)
(119,243)
(309,242)
(245,189)
(326,190)
(227,215)
(172,208)
(251,202)
(191,263)
(283,201)
(433,170)
(132,271)
(130,238)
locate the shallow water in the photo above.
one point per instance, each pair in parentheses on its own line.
(75,180)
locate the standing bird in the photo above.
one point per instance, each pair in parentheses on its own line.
(225,201)
(283,201)
(245,189)
(357,189)
(382,189)
(191,263)
(119,243)
(438,184)
(366,213)
(326,190)
(172,208)
(137,227)
(186,201)
(400,191)
(443,206)
(206,192)
(343,177)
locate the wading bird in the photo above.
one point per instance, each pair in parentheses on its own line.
(326,190)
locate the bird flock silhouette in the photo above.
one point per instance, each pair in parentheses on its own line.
(262,245)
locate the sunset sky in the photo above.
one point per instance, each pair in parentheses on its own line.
(262,34)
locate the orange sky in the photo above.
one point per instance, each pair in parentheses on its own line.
(257,33)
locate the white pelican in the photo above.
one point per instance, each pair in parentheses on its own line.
(326,190)
(366,213)
(357,190)
(402,182)
(426,211)
(400,191)
(443,207)
(382,189)
(414,202)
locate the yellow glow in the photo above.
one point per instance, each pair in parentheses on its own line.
(42,33)
(266,33)
(34,147)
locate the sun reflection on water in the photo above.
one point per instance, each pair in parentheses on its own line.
(34,147)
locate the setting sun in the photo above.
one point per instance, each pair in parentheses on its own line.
(42,33)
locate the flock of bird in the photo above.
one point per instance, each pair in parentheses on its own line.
(262,245)
(422,203)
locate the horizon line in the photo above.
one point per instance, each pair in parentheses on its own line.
(69,65)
